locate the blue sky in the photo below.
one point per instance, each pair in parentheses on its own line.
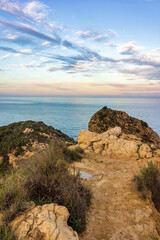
(79,48)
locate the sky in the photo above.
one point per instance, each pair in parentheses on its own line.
(80,48)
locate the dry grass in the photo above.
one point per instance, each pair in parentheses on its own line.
(46,178)
(148,180)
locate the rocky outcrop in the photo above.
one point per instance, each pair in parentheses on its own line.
(114,144)
(107,118)
(47,222)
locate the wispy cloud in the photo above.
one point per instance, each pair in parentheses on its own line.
(5,56)
(30,11)
(16,39)
(30,31)
(96,36)
(129,48)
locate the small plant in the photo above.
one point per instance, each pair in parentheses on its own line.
(91,144)
(148,180)
(6,233)
(138,145)
(144,124)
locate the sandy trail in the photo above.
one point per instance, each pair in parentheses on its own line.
(117,211)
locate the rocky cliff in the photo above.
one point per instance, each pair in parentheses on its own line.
(107,118)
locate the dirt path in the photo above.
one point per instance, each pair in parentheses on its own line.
(117,212)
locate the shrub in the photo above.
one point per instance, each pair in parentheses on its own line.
(12,195)
(46,178)
(4,166)
(6,234)
(144,124)
(148,180)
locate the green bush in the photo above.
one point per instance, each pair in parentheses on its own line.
(46,178)
(148,180)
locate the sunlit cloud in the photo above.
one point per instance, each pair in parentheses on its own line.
(129,48)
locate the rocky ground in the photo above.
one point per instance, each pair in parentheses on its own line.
(117,210)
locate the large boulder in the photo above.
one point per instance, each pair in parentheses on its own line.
(107,118)
(114,144)
(47,222)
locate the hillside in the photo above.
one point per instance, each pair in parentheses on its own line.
(21,139)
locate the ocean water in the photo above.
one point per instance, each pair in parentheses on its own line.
(71,115)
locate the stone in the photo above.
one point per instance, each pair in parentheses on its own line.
(1,159)
(47,222)
(28,130)
(145,151)
(86,136)
(116,131)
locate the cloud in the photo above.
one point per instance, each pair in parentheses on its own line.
(112,44)
(30,65)
(30,31)
(129,48)
(156,50)
(143,59)
(5,56)
(8,49)
(15,39)
(96,36)
(36,10)
(31,11)
(46,44)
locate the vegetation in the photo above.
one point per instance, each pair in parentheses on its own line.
(6,234)
(144,124)
(148,181)
(46,178)
(14,139)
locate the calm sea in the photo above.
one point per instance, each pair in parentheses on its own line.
(71,115)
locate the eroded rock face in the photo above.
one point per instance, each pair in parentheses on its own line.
(47,222)
(114,144)
(107,118)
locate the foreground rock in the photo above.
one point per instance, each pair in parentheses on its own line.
(47,222)
(114,144)
(107,118)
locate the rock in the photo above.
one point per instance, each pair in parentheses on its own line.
(87,136)
(115,131)
(114,146)
(107,118)
(47,222)
(1,159)
(145,151)
(107,144)
(28,130)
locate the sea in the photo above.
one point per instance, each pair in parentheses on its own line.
(72,114)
